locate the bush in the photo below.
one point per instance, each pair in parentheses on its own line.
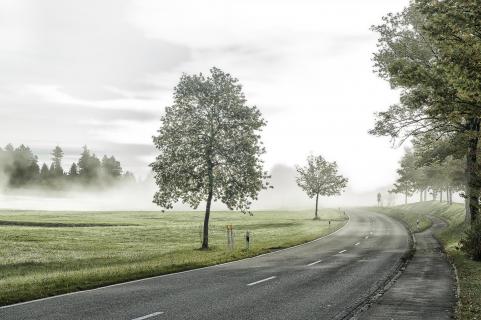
(471,242)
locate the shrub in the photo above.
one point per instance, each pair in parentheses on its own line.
(471,242)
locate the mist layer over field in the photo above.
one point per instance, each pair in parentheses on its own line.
(138,196)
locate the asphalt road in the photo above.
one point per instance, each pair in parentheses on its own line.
(324,279)
(425,290)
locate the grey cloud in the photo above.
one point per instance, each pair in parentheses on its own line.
(86,48)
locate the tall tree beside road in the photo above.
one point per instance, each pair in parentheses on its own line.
(431,52)
(319,178)
(209,146)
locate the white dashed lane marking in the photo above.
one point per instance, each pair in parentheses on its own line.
(260,281)
(149,316)
(313,263)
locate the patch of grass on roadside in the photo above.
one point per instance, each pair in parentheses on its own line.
(48,253)
(469,271)
(410,218)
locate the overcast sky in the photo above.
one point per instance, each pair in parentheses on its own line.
(100,72)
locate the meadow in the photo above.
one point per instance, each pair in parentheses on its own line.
(44,253)
(469,271)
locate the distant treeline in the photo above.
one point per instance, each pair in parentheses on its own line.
(19,167)
(436,177)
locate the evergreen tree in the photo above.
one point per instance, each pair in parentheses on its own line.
(111,167)
(44,173)
(88,165)
(24,167)
(57,156)
(73,172)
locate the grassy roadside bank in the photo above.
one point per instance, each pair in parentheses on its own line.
(469,271)
(47,253)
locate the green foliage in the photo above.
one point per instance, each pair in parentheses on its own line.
(209,144)
(73,172)
(19,165)
(19,168)
(89,165)
(319,178)
(471,240)
(430,51)
(111,167)
(57,156)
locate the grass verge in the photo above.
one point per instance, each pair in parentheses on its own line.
(49,253)
(469,271)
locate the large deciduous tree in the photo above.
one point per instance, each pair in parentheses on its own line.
(209,146)
(430,52)
(319,178)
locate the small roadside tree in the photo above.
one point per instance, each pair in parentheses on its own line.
(319,178)
(209,146)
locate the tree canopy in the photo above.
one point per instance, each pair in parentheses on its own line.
(429,52)
(209,146)
(320,178)
(19,168)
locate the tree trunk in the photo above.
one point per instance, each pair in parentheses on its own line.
(420,195)
(405,198)
(467,218)
(317,201)
(426,194)
(440,195)
(472,175)
(205,239)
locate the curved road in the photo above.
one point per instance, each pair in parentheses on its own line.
(324,279)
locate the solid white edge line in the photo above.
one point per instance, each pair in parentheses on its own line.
(149,316)
(260,281)
(342,251)
(174,273)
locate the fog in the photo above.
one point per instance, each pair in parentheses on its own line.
(285,195)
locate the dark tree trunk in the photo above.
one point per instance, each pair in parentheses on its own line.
(205,239)
(317,201)
(472,175)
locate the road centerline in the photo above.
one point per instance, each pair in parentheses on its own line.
(342,251)
(313,263)
(260,281)
(149,316)
(357,243)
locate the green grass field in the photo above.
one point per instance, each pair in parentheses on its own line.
(47,253)
(469,271)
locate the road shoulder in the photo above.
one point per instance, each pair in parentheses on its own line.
(425,290)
